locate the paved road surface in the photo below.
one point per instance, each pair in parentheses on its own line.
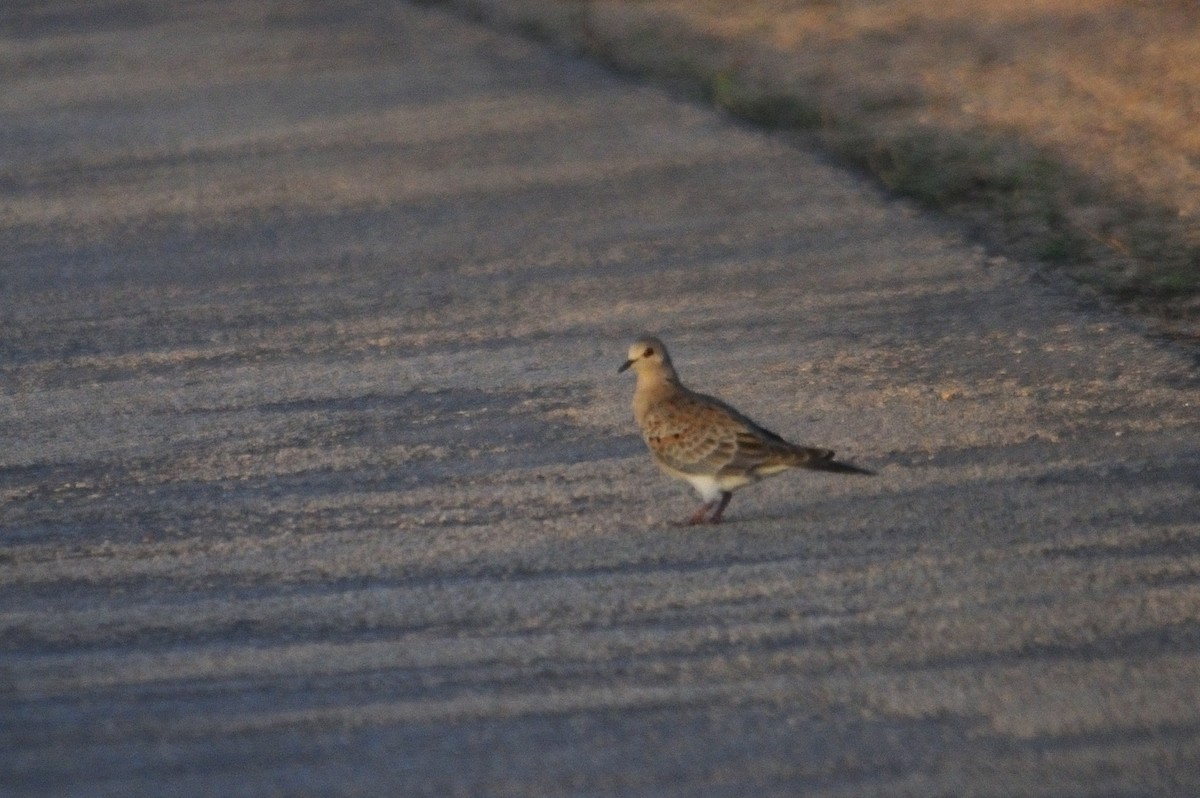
(318,479)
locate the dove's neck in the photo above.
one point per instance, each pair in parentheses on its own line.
(652,388)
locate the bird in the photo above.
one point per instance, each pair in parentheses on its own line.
(706,442)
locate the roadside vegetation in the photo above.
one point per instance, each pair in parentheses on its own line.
(1061,131)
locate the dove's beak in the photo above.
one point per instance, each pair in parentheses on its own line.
(625,365)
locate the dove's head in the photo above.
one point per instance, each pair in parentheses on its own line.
(648,356)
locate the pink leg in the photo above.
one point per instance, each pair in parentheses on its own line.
(710,512)
(701,514)
(716,516)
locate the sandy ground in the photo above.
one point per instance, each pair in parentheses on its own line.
(318,478)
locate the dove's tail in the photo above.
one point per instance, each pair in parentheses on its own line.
(833,466)
(822,460)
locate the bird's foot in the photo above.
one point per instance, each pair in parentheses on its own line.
(701,516)
(711,511)
(715,518)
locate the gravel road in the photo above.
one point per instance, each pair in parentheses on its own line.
(317,476)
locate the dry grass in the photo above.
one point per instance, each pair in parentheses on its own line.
(1062,130)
